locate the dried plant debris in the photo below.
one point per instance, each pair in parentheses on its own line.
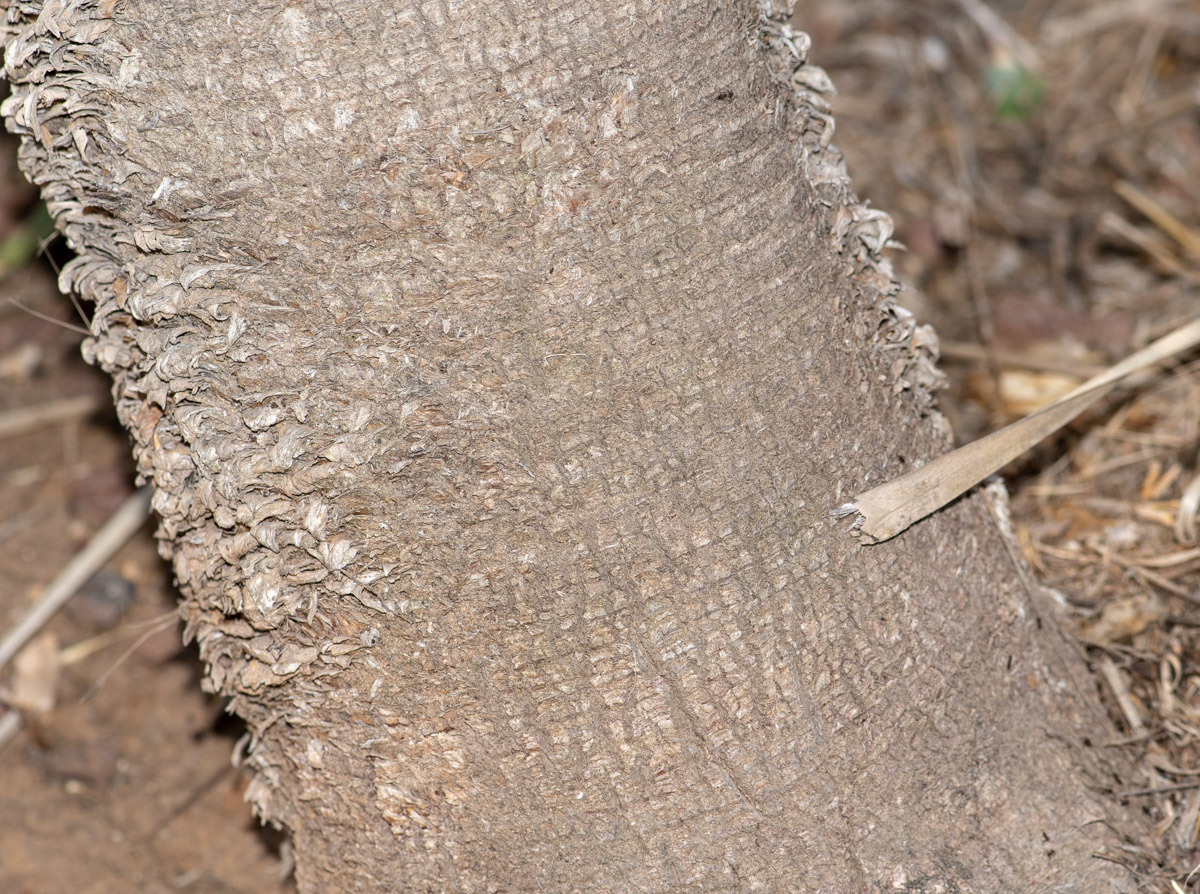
(1040,161)
(887,510)
(1102,528)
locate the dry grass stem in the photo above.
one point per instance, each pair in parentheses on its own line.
(888,510)
(120,527)
(26,419)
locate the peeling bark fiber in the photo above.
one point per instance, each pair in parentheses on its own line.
(497,365)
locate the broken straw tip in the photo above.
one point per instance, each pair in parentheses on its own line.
(843,510)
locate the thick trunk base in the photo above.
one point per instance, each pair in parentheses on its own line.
(497,366)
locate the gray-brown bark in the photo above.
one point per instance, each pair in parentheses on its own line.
(497,365)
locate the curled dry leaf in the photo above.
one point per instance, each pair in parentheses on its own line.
(1187,516)
(1123,620)
(35,675)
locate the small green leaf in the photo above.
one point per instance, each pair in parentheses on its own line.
(23,243)
(1016,91)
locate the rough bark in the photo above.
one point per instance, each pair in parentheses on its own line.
(497,365)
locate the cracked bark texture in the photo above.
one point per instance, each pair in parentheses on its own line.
(497,365)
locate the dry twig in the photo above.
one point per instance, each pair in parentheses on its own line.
(120,527)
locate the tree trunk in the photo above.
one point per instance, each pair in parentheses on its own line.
(497,365)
